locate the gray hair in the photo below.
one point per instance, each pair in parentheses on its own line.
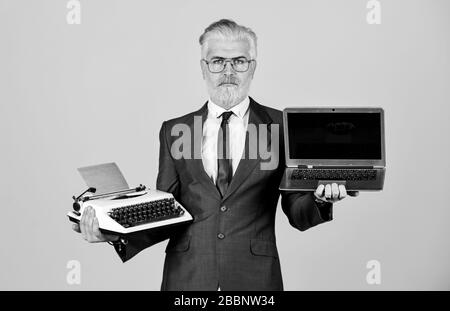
(228,29)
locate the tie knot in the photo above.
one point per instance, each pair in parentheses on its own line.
(226,115)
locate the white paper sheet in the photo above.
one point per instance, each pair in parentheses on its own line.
(105,178)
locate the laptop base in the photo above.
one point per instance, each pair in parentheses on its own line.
(289,184)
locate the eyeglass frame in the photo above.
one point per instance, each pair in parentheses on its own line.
(230,60)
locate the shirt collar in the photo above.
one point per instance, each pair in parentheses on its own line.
(239,110)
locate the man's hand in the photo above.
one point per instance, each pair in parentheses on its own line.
(333,193)
(88,227)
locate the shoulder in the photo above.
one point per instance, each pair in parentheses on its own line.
(275,114)
(186,119)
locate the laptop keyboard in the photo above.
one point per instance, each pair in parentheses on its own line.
(334,174)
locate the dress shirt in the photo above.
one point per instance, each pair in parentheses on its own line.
(238,128)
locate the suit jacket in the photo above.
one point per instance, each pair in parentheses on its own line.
(231,241)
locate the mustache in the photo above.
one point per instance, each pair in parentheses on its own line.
(229,80)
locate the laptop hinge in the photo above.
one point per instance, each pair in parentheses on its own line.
(338,166)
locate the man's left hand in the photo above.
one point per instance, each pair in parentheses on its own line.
(333,193)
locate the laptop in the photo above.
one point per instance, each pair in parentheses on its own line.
(334,145)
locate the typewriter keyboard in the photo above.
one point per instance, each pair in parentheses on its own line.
(138,214)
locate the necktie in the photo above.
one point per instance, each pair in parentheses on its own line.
(224,168)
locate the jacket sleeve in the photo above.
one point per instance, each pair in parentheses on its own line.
(302,210)
(167,181)
(300,207)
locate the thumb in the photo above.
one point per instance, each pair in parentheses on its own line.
(76,228)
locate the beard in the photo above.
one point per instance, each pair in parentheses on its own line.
(228,92)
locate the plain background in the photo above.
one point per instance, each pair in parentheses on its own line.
(77,95)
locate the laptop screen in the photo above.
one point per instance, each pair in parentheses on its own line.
(334,135)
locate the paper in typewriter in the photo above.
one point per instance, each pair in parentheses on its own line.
(104,177)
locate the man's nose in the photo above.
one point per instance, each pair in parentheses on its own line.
(228,68)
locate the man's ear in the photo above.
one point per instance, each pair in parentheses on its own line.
(253,67)
(203,67)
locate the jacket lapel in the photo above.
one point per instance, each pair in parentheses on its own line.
(257,117)
(196,126)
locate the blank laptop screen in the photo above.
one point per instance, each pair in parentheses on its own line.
(334,135)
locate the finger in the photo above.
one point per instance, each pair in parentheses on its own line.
(342,192)
(96,229)
(328,191)
(319,191)
(85,219)
(89,220)
(83,223)
(353,193)
(76,228)
(92,220)
(334,191)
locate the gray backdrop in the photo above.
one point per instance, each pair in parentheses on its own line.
(76,95)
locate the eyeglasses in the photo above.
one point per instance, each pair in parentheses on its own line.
(217,64)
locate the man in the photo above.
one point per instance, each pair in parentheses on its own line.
(231,242)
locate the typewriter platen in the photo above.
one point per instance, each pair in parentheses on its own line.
(131,210)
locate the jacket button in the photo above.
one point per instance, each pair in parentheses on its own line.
(223,208)
(221,236)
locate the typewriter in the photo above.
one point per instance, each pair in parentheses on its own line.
(131,210)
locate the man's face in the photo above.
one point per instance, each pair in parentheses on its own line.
(229,87)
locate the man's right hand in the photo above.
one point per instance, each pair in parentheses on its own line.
(89,229)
